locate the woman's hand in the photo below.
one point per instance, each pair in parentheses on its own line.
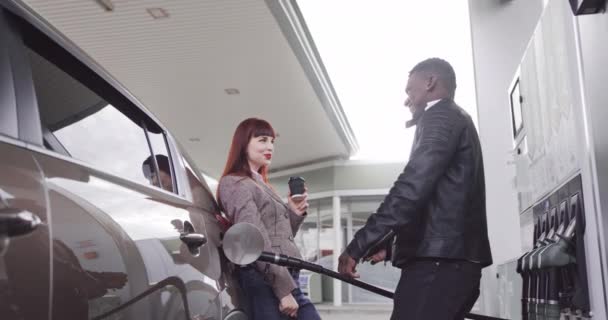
(289,306)
(300,204)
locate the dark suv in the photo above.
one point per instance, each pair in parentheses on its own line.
(89,229)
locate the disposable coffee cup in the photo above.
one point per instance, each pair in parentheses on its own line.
(296,187)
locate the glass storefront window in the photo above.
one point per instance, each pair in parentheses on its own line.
(316,240)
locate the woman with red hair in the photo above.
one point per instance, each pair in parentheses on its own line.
(271,292)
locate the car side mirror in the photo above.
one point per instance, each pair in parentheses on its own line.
(243,243)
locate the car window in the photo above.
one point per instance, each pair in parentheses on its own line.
(92,129)
(158,142)
(8,101)
(202,194)
(94,140)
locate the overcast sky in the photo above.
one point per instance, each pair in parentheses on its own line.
(368,47)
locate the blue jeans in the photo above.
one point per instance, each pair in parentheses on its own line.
(262,304)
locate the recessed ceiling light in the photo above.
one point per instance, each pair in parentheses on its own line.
(158,13)
(195,139)
(232,91)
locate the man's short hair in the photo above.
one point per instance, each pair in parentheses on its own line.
(442,69)
(163,165)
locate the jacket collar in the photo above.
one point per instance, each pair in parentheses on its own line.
(418,114)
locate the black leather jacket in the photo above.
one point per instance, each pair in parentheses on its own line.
(436,208)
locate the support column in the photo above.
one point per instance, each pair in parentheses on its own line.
(349,237)
(319,229)
(349,226)
(337,248)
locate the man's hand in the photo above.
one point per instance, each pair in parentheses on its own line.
(377,257)
(346,265)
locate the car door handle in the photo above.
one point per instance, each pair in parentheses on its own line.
(192,239)
(16,222)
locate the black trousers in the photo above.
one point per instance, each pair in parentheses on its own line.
(436,289)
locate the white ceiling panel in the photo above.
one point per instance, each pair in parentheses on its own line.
(179,67)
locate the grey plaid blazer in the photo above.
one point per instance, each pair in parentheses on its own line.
(251,200)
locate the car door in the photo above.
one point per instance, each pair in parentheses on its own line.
(24,250)
(25,254)
(123,246)
(204,212)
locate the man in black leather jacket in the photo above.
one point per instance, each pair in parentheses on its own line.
(432,224)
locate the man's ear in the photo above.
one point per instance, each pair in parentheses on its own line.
(431,82)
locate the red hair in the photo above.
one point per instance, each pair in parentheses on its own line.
(237,162)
